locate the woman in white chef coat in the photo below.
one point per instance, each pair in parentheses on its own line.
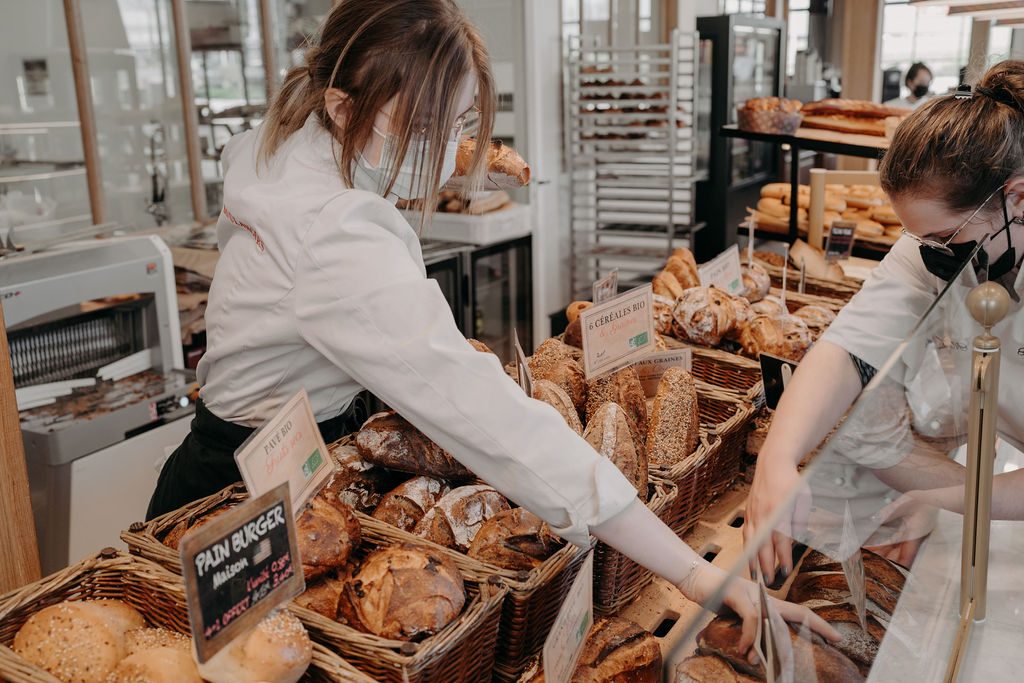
(321,286)
(955,175)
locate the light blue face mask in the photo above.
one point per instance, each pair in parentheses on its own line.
(366,176)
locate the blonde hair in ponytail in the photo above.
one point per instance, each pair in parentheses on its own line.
(417,52)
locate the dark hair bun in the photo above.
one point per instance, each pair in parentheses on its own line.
(1004,83)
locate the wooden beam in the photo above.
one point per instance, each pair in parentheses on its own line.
(977,52)
(18,530)
(183,53)
(86,113)
(861,41)
(268,44)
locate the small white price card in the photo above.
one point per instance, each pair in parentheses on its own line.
(289,449)
(607,287)
(651,367)
(569,632)
(723,271)
(618,331)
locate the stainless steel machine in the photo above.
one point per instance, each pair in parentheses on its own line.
(98,320)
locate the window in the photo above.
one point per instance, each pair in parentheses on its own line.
(925,34)
(798,31)
(742,6)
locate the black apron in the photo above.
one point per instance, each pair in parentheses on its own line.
(204,463)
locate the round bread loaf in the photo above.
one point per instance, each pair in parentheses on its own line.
(574,334)
(151,638)
(178,531)
(456,518)
(119,616)
(674,431)
(704,315)
(405,506)
(614,435)
(157,665)
(327,534)
(756,282)
(763,334)
(72,641)
(797,338)
(817,318)
(389,440)
(770,305)
(744,313)
(322,597)
(404,592)
(572,312)
(356,482)
(663,307)
(667,285)
(622,387)
(552,394)
(278,650)
(514,539)
(555,361)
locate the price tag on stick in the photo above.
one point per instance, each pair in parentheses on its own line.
(569,632)
(751,227)
(523,367)
(617,332)
(775,374)
(803,276)
(607,287)
(723,271)
(839,244)
(289,449)
(238,568)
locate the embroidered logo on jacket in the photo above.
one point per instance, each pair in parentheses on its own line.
(245,226)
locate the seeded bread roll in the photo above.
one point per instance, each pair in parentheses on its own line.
(151,638)
(403,592)
(756,282)
(157,665)
(456,518)
(552,394)
(356,482)
(405,506)
(389,440)
(278,650)
(327,534)
(514,539)
(704,315)
(622,387)
(612,435)
(675,420)
(71,641)
(710,669)
(555,361)
(665,284)
(322,597)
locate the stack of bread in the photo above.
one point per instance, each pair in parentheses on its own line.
(868,205)
(616,650)
(108,641)
(753,323)
(850,116)
(821,586)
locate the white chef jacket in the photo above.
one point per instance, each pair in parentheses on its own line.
(935,366)
(323,287)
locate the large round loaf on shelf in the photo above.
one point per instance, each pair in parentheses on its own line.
(555,362)
(356,482)
(405,506)
(389,440)
(552,394)
(157,665)
(404,592)
(674,431)
(514,539)
(622,387)
(458,516)
(612,434)
(327,534)
(277,650)
(704,315)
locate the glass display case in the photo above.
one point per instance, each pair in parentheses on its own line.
(888,529)
(500,296)
(742,56)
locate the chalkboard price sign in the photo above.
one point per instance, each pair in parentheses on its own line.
(240,567)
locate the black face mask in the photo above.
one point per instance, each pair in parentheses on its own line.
(946,266)
(920,90)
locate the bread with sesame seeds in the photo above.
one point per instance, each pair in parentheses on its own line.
(157,665)
(277,650)
(674,429)
(71,641)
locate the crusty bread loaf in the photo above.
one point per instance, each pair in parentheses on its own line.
(756,282)
(505,168)
(322,597)
(818,588)
(405,506)
(574,334)
(744,313)
(665,284)
(691,263)
(704,315)
(71,641)
(796,338)
(622,387)
(458,516)
(710,669)
(663,307)
(552,394)
(859,645)
(771,258)
(854,108)
(555,361)
(674,430)
(327,534)
(514,539)
(817,318)
(403,592)
(616,651)
(178,531)
(612,435)
(763,334)
(157,665)
(573,310)
(683,270)
(771,306)
(277,650)
(389,440)
(356,482)
(876,567)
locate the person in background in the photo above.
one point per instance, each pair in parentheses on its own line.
(919,83)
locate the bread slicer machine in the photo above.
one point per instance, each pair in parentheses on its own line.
(73,312)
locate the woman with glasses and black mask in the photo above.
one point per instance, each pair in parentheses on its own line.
(955,175)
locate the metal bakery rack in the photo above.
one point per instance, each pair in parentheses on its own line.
(630,149)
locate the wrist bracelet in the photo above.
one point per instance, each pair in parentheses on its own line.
(686,584)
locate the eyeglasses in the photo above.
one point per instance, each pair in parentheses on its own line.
(943,246)
(460,123)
